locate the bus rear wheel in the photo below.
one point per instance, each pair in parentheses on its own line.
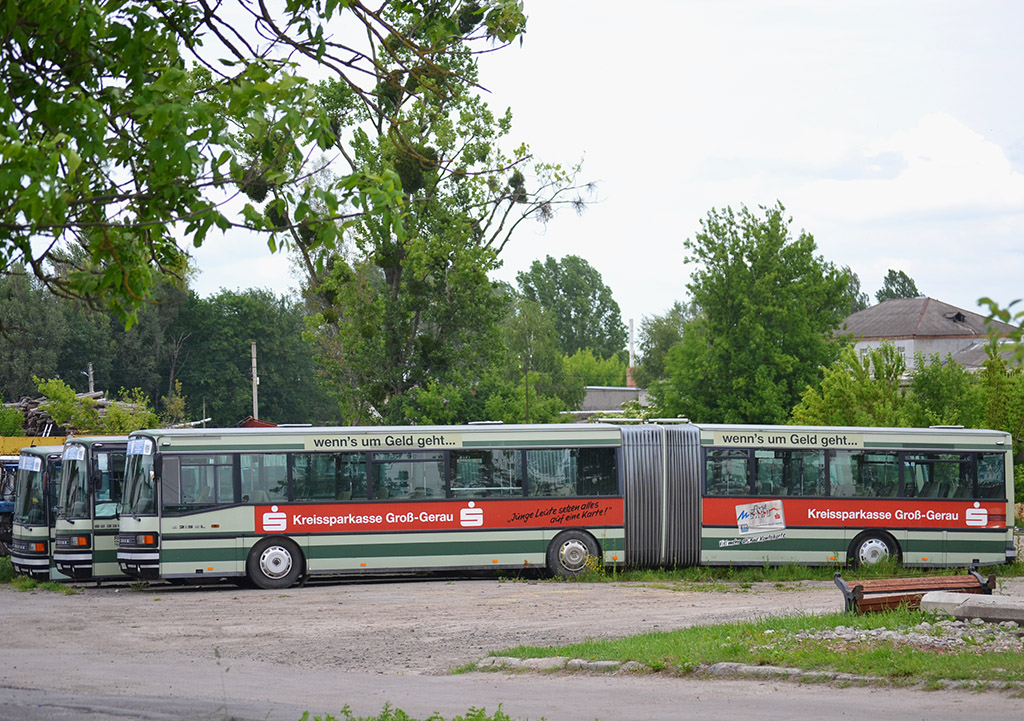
(570,552)
(274,563)
(872,548)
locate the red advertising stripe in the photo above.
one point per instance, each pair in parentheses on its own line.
(437,515)
(866,513)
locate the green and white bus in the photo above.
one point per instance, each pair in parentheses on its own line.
(35,512)
(92,477)
(276,505)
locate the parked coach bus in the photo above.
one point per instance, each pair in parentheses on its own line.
(35,511)
(274,505)
(91,480)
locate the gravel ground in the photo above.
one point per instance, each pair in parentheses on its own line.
(422,627)
(412,627)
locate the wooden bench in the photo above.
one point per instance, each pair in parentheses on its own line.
(882,594)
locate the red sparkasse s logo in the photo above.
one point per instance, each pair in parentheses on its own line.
(437,515)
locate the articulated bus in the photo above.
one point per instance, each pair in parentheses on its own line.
(35,512)
(92,477)
(276,505)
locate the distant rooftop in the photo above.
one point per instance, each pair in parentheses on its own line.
(901,318)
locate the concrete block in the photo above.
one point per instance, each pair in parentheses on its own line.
(944,601)
(993,609)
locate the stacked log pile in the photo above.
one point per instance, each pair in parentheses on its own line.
(39,423)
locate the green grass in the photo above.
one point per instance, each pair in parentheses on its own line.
(724,578)
(394,714)
(773,642)
(7,573)
(24,583)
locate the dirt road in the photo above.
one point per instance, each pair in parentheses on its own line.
(418,627)
(269,654)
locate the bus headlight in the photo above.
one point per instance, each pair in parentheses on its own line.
(145,539)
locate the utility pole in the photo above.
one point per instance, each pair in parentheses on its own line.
(255,383)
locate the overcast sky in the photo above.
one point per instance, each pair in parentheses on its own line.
(890,131)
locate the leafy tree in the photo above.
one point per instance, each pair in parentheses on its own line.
(174,407)
(81,414)
(769,306)
(592,370)
(130,413)
(857,391)
(856,299)
(897,284)
(214,366)
(66,408)
(868,391)
(532,384)
(658,334)
(943,393)
(11,421)
(586,315)
(397,310)
(33,332)
(129,123)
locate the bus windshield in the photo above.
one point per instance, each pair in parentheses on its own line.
(29,507)
(139,489)
(74,487)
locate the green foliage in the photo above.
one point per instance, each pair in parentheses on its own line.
(402,317)
(192,352)
(396,714)
(944,394)
(658,334)
(755,346)
(131,413)
(855,298)
(873,390)
(801,641)
(534,363)
(31,328)
(174,407)
(81,415)
(11,421)
(591,370)
(116,145)
(857,391)
(210,353)
(76,414)
(897,284)
(7,572)
(584,311)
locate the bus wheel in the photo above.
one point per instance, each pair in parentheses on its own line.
(569,552)
(872,548)
(274,563)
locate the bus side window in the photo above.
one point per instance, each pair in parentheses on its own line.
(478,474)
(728,472)
(268,475)
(992,475)
(768,472)
(859,473)
(170,483)
(804,473)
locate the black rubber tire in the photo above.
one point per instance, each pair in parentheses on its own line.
(274,563)
(569,553)
(872,548)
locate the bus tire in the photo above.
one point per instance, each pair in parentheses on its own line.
(873,547)
(569,553)
(274,563)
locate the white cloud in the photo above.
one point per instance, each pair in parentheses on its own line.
(947,170)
